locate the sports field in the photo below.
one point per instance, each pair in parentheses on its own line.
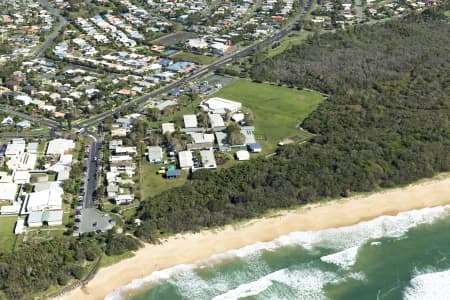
(277,110)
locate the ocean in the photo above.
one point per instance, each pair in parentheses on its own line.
(406,256)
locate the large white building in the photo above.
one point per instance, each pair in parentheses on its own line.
(14,150)
(60,146)
(49,199)
(8,192)
(46,217)
(21,177)
(220,105)
(24,161)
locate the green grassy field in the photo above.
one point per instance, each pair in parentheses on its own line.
(447,13)
(196,58)
(153,184)
(277,110)
(7,237)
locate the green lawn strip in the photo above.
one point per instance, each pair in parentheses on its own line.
(278,110)
(7,237)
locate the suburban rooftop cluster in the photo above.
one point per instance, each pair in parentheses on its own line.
(23,27)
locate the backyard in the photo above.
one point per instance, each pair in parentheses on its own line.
(153,184)
(277,110)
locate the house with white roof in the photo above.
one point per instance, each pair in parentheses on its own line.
(190,121)
(125,150)
(24,99)
(208,159)
(185,159)
(7,121)
(25,124)
(124,199)
(154,154)
(216,121)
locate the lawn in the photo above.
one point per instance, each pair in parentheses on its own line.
(7,237)
(447,13)
(196,58)
(153,184)
(278,110)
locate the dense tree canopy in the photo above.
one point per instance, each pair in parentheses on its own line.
(386,122)
(34,267)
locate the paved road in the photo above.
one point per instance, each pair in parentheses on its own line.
(95,138)
(51,133)
(56,32)
(92,169)
(212,67)
(38,120)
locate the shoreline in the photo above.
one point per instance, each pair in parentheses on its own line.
(190,247)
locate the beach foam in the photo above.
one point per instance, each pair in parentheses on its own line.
(347,239)
(303,284)
(434,286)
(344,259)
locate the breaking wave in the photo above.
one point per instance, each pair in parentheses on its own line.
(434,286)
(345,240)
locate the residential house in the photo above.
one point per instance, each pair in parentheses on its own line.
(154,154)
(124,199)
(185,159)
(208,159)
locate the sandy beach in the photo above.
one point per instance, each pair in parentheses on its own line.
(188,248)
